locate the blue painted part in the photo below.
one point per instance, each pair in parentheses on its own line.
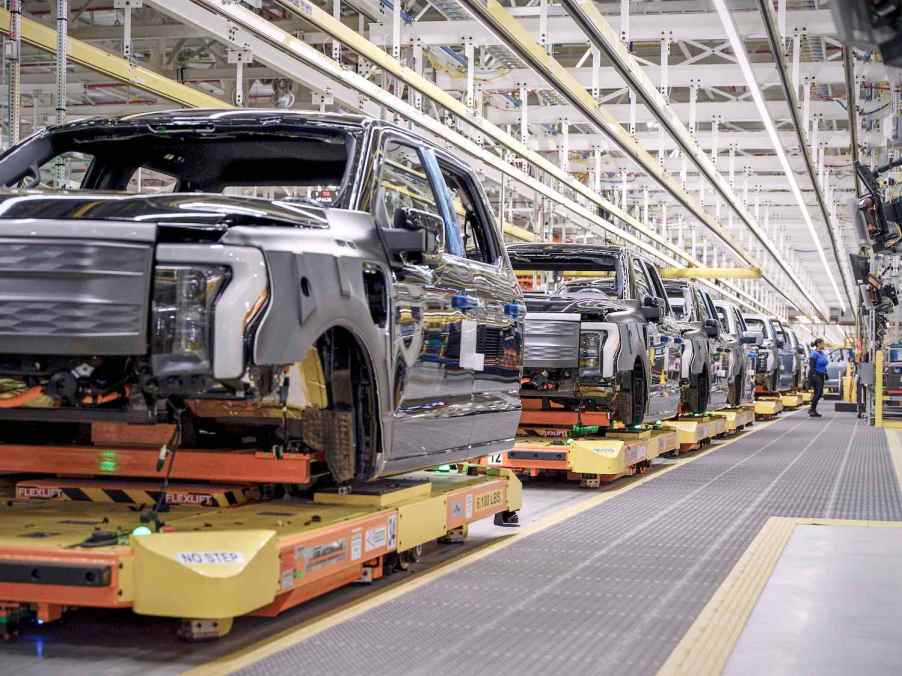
(462,302)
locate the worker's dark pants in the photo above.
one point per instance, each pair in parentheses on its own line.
(817,384)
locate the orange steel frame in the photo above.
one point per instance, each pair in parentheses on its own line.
(122,461)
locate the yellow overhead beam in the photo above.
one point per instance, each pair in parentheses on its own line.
(711,273)
(115,67)
(517,232)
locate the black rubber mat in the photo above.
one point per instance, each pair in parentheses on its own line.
(613,589)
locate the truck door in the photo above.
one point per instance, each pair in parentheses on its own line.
(787,356)
(432,386)
(663,351)
(719,354)
(493,321)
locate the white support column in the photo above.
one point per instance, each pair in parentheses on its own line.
(469,55)
(524,120)
(745,185)
(715,139)
(565,144)
(815,136)
(693,103)
(665,64)
(625,21)
(632,113)
(624,196)
(396,30)
(239,57)
(15,73)
(781,21)
(596,74)
(796,54)
(806,108)
(758,206)
(418,69)
(544,37)
(645,204)
(127,6)
(732,168)
(683,169)
(596,156)
(336,45)
(62,50)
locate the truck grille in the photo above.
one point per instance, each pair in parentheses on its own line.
(552,343)
(74,297)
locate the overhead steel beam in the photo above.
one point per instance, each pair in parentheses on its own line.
(643,27)
(497,20)
(718,75)
(776,46)
(113,67)
(310,57)
(735,111)
(604,38)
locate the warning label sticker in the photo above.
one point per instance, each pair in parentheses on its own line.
(356,545)
(219,558)
(376,538)
(392,532)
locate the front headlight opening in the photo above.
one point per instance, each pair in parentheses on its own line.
(182,314)
(590,344)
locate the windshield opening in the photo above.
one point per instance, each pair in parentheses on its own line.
(595,274)
(289,163)
(755,326)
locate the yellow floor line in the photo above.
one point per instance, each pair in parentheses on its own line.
(895,452)
(283,640)
(706,647)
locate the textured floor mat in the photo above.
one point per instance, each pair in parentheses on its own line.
(613,589)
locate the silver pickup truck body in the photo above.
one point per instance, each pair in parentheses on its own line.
(362,304)
(704,341)
(743,352)
(777,360)
(599,332)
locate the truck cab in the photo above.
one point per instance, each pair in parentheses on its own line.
(316,283)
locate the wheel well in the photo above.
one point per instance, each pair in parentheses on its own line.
(351,386)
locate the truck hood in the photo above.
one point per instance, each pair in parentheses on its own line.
(589,308)
(203,211)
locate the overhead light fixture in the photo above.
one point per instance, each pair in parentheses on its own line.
(742,58)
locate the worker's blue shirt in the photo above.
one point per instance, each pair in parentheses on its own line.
(819,361)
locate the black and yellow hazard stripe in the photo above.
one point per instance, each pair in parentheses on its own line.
(195,496)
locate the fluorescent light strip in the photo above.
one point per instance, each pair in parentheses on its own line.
(742,58)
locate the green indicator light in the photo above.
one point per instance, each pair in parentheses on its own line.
(108,461)
(141,530)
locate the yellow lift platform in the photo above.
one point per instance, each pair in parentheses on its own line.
(206,563)
(792,400)
(768,407)
(591,460)
(737,419)
(696,431)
